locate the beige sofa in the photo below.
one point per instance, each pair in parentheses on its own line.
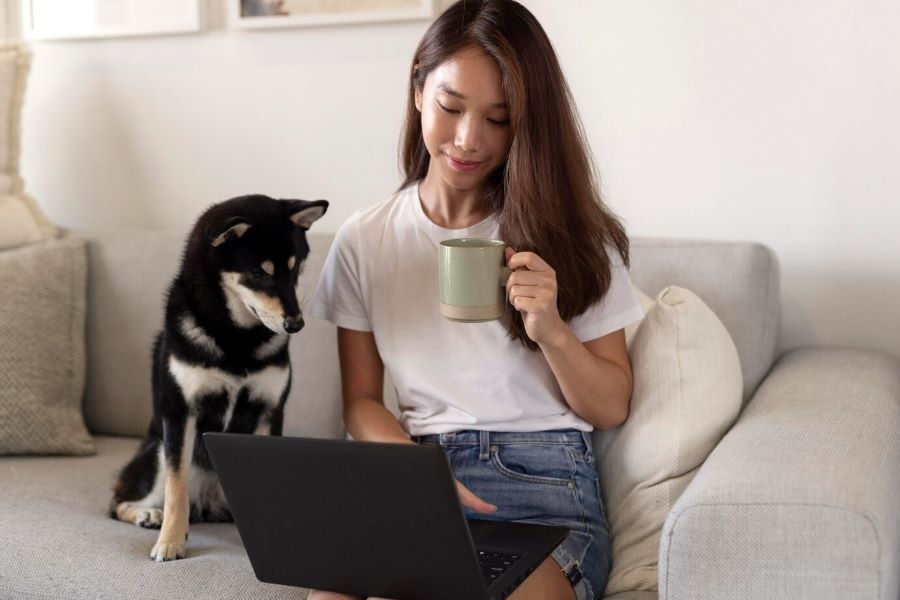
(799,500)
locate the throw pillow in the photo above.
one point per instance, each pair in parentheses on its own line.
(21,221)
(687,394)
(42,349)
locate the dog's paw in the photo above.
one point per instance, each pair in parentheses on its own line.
(165,551)
(150,518)
(144,516)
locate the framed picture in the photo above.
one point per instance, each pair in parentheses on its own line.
(75,19)
(259,14)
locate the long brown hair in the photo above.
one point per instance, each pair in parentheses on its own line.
(546,194)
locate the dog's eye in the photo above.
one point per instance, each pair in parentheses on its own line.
(257,273)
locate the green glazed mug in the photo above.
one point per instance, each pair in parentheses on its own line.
(472,275)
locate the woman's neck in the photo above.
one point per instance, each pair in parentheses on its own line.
(449,207)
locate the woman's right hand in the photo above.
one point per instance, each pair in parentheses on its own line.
(470,500)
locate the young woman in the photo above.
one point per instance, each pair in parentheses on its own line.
(493,147)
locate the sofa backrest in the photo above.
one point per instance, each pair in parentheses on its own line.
(128,275)
(739,281)
(129,272)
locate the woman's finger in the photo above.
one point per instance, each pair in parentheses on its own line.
(528,278)
(467,498)
(527,305)
(524,291)
(527,260)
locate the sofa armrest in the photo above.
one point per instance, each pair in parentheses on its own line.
(801,499)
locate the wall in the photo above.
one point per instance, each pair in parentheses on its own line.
(769,121)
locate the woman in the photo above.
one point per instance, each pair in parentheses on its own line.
(492,147)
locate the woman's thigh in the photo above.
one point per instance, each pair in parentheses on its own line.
(547,582)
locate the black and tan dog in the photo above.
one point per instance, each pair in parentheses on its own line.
(221,361)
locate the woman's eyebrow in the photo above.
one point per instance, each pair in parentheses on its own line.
(445,87)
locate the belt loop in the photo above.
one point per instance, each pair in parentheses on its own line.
(484,445)
(588,445)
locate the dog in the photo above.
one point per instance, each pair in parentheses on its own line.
(220,362)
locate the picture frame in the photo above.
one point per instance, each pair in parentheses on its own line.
(265,14)
(86,19)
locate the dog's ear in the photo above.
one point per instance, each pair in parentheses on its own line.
(303,213)
(231,229)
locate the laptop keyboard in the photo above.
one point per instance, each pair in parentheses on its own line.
(494,564)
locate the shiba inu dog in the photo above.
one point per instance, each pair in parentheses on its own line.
(221,361)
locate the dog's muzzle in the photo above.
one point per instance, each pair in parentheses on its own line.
(293,324)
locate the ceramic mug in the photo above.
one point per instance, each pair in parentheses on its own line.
(472,275)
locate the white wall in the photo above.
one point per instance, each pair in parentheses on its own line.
(771,121)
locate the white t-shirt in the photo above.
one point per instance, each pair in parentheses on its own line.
(381,276)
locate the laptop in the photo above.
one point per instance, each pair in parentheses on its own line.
(365,518)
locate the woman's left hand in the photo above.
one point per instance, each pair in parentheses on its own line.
(532,290)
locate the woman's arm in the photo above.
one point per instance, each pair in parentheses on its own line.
(362,382)
(595,376)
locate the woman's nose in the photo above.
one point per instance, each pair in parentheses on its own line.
(468,134)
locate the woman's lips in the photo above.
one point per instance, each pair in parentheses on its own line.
(466,166)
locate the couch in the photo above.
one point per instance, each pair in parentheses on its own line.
(798,500)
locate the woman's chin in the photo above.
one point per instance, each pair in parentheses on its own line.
(463,181)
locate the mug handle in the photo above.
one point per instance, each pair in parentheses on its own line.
(505,272)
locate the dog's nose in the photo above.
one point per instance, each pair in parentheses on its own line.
(293,324)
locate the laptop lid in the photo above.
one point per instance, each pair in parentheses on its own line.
(402,529)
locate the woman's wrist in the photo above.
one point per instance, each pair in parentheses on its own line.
(370,421)
(556,338)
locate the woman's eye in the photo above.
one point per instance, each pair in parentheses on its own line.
(447,110)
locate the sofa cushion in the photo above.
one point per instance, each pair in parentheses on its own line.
(42,305)
(65,545)
(687,394)
(739,281)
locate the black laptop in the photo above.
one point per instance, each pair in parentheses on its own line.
(371,519)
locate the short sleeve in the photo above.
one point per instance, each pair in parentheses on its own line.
(618,308)
(340,294)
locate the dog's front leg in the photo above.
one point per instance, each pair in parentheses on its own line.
(178,442)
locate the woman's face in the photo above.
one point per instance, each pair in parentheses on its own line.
(465,120)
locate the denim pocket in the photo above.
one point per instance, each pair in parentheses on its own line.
(552,464)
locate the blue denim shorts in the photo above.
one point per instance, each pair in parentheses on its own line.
(544,477)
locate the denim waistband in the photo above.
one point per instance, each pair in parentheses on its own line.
(485,439)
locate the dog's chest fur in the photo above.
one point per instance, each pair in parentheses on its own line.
(233,365)
(197,381)
(213,384)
